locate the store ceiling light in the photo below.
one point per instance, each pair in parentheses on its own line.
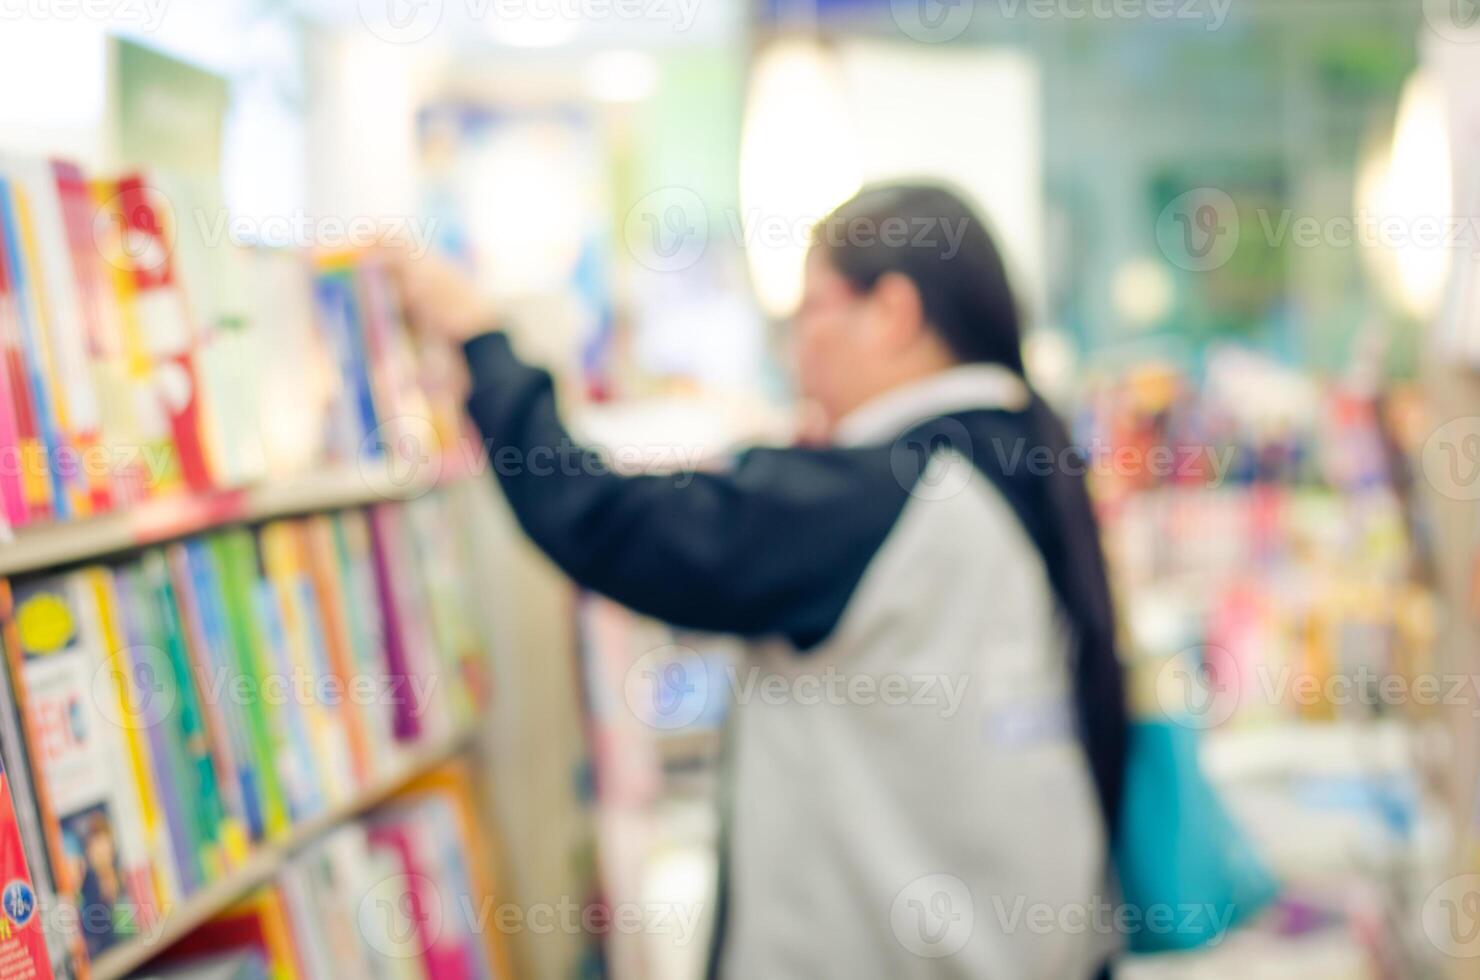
(621,76)
(798,161)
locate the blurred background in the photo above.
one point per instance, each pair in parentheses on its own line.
(1244,233)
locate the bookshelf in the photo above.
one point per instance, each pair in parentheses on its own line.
(265,861)
(234,479)
(161,519)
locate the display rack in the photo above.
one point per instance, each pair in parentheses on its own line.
(166,518)
(266,860)
(158,520)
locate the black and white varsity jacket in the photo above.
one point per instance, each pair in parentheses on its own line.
(937,818)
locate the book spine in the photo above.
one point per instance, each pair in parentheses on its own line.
(331,594)
(43,237)
(134,782)
(210,694)
(35,345)
(406,723)
(34,465)
(152,692)
(235,563)
(206,812)
(169,332)
(200,565)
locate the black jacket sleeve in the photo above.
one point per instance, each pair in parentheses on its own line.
(774,546)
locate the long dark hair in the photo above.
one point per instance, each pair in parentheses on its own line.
(929,234)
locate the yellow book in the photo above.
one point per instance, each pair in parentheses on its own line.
(310,684)
(127,386)
(155,831)
(73,480)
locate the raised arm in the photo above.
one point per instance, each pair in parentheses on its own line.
(774,546)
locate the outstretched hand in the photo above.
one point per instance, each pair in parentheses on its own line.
(441,300)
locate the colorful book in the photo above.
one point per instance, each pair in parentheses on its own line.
(234,559)
(32,447)
(23,950)
(353,419)
(94,863)
(315,693)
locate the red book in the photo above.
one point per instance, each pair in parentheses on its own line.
(164,320)
(22,943)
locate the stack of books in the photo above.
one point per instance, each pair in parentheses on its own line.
(1265,541)
(177,707)
(395,895)
(139,357)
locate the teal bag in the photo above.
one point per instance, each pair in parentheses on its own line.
(1187,872)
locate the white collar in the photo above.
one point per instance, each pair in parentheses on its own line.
(956,389)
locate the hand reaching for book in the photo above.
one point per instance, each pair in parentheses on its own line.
(441,300)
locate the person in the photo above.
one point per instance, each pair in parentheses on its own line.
(950,812)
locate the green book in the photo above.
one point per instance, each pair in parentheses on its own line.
(208,812)
(235,556)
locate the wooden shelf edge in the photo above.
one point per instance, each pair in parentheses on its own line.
(167,518)
(264,862)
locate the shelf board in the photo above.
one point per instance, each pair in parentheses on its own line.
(161,519)
(265,861)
